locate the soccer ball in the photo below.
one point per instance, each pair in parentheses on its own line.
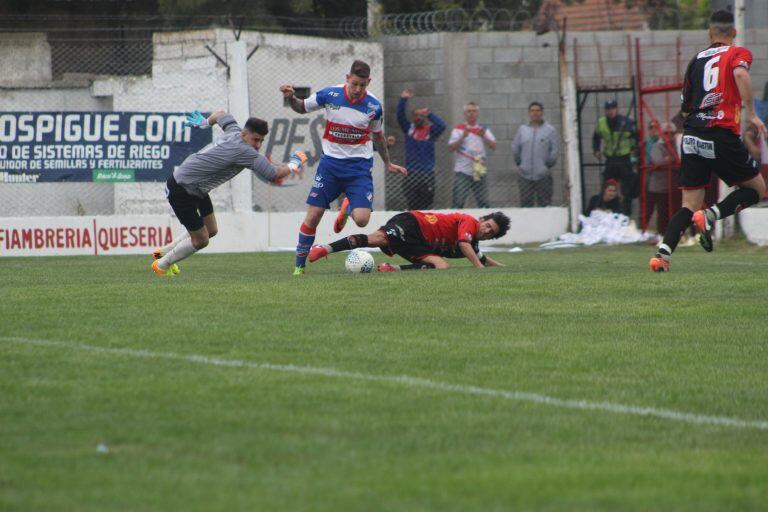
(359,262)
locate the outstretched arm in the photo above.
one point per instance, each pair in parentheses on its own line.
(275,173)
(490,262)
(296,104)
(469,252)
(381,144)
(402,119)
(213,118)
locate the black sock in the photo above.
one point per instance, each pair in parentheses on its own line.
(677,224)
(737,200)
(417,266)
(349,243)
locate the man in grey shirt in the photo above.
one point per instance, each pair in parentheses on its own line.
(187,189)
(535,150)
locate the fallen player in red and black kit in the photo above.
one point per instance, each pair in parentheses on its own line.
(426,239)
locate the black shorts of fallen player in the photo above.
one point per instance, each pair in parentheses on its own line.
(404,238)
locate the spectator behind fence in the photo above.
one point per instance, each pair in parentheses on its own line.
(535,150)
(607,200)
(660,156)
(420,135)
(615,138)
(469,140)
(758,150)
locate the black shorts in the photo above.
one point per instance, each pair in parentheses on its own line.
(718,151)
(404,238)
(189,209)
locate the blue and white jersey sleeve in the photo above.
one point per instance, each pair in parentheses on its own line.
(317,100)
(377,122)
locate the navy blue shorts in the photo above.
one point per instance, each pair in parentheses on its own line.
(352,176)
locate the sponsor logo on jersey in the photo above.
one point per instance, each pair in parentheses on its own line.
(712,51)
(709,117)
(432,219)
(333,94)
(711,99)
(345,133)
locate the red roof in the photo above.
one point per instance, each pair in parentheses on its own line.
(590,15)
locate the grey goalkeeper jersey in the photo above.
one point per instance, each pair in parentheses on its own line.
(221,161)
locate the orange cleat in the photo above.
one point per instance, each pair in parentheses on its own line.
(157,253)
(341,218)
(171,272)
(703,220)
(386,267)
(317,252)
(658,264)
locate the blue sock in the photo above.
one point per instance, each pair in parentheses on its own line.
(306,239)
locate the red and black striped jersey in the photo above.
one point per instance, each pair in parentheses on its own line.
(710,96)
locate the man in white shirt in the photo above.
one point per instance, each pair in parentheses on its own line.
(469,141)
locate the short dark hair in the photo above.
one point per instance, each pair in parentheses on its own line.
(501,220)
(256,125)
(721,16)
(361,69)
(721,22)
(536,104)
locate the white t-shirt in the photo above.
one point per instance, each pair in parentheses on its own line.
(471,147)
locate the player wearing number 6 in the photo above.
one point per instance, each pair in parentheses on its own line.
(187,189)
(353,121)
(716,85)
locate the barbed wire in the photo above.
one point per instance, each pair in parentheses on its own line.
(451,20)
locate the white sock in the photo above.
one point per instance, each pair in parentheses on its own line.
(183,249)
(167,248)
(714,209)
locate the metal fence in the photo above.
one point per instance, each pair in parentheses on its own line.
(428,66)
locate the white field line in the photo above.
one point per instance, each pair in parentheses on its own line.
(416,382)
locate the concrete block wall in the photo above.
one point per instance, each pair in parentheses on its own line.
(25,58)
(501,72)
(504,72)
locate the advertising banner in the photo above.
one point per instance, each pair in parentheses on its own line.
(94,146)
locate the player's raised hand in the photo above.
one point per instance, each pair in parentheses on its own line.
(397,169)
(407,93)
(297,162)
(196,120)
(287,90)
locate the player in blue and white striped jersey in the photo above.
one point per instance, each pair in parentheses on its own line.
(353,121)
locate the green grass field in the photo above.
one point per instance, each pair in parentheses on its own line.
(239,387)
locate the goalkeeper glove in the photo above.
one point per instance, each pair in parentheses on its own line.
(297,160)
(196,120)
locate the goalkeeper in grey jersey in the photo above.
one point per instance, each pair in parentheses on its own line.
(187,189)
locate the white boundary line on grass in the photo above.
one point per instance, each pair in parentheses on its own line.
(518,396)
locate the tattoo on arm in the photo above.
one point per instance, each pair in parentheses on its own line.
(382,145)
(297,105)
